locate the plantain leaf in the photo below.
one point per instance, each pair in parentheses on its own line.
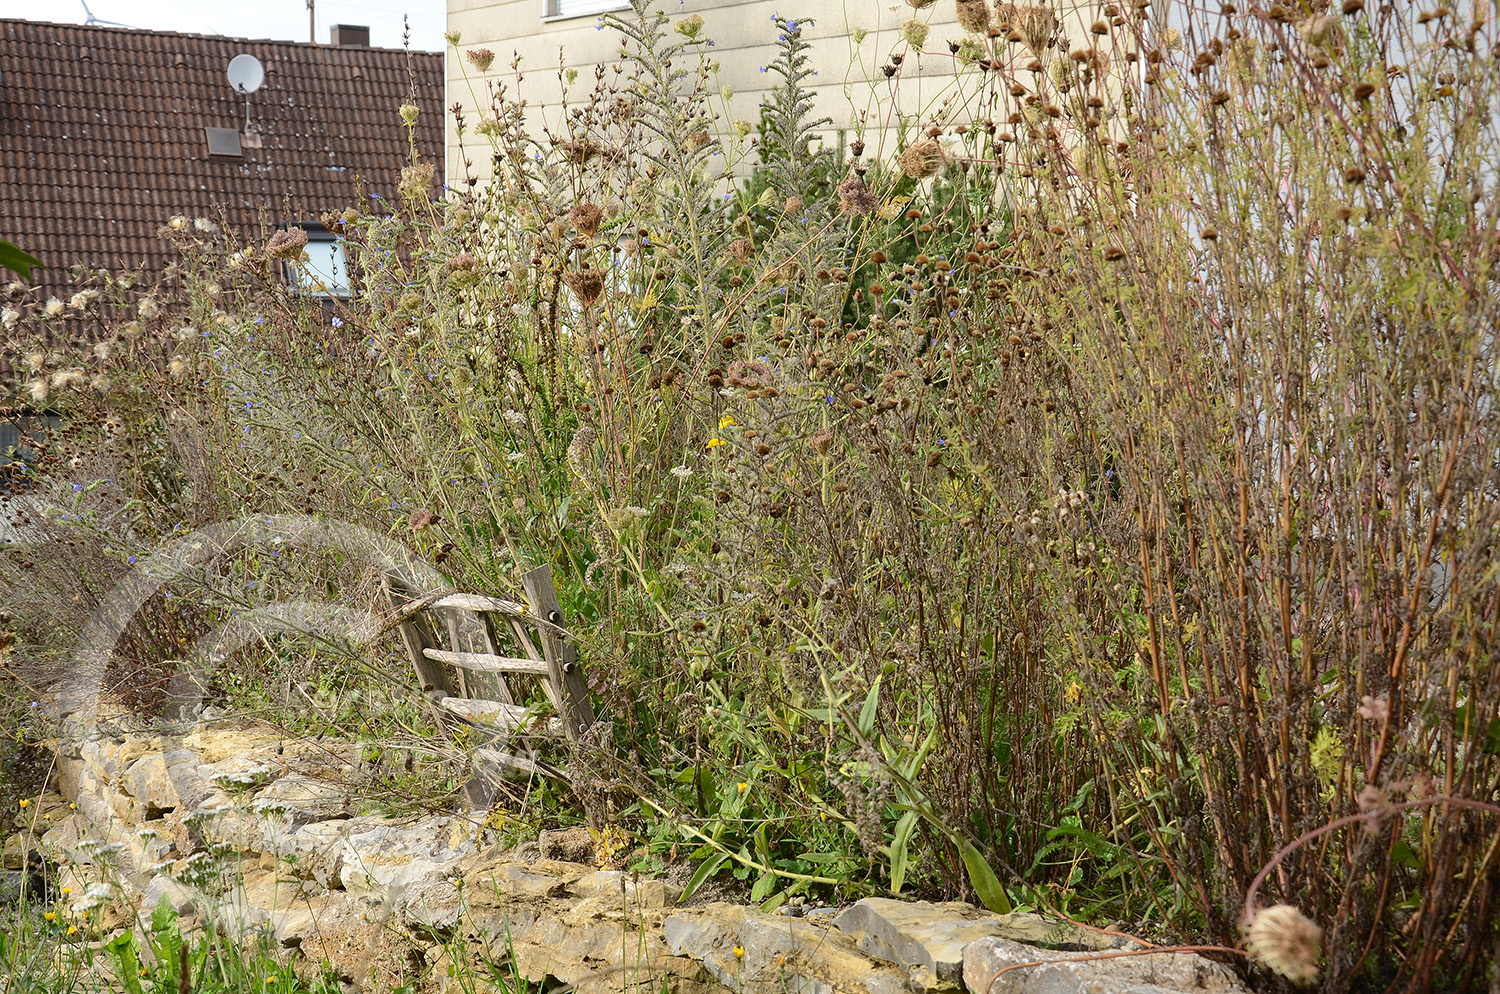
(899,842)
(867,713)
(709,867)
(983,879)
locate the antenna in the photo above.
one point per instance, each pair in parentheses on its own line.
(246,75)
(91,20)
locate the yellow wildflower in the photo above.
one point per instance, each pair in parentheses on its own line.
(739,951)
(713,442)
(727,421)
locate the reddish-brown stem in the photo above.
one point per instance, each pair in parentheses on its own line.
(1369,816)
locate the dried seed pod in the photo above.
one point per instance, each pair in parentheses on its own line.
(974,15)
(587,284)
(586,217)
(922,159)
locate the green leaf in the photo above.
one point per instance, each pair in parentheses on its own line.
(909,771)
(17,261)
(899,842)
(709,867)
(983,879)
(127,965)
(763,887)
(867,713)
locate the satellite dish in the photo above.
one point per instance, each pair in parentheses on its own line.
(246,74)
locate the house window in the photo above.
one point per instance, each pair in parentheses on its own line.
(580,8)
(21,440)
(326,272)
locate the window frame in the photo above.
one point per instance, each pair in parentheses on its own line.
(551,9)
(318,233)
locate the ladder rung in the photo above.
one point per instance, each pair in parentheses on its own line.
(506,761)
(482,662)
(507,716)
(479,602)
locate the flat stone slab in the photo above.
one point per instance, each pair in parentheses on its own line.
(927,940)
(751,952)
(985,964)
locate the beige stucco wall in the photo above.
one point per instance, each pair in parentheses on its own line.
(850,86)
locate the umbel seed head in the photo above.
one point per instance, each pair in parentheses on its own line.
(922,159)
(1287,942)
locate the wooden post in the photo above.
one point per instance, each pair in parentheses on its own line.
(566,676)
(431,677)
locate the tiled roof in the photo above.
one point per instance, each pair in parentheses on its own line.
(102,136)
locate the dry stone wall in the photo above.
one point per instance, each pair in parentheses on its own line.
(254,832)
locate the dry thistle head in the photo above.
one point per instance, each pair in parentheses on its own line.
(286,244)
(1320,31)
(1285,941)
(585,217)
(920,4)
(415,181)
(480,58)
(855,196)
(587,284)
(974,16)
(922,159)
(1036,26)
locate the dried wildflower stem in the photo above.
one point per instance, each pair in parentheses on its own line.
(1365,816)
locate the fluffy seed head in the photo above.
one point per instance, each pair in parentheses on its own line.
(1287,942)
(586,284)
(480,58)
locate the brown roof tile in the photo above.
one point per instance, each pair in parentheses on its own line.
(102,136)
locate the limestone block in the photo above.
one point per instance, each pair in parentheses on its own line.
(381,863)
(1060,972)
(627,890)
(181,899)
(494,883)
(927,940)
(432,911)
(780,953)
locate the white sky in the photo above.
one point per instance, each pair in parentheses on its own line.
(281,19)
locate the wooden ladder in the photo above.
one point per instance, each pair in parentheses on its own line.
(483,696)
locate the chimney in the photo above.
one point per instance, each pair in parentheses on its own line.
(349,36)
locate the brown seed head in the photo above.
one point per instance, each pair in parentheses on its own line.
(974,15)
(855,197)
(922,159)
(287,244)
(586,217)
(587,284)
(480,58)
